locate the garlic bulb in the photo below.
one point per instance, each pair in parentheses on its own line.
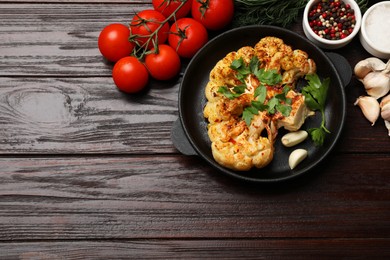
(363,67)
(377,84)
(370,108)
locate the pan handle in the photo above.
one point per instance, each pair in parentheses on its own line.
(180,140)
(342,67)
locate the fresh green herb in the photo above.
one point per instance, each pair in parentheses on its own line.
(261,93)
(238,90)
(272,12)
(242,69)
(254,64)
(272,105)
(315,98)
(247,116)
(276,103)
(259,105)
(284,109)
(269,77)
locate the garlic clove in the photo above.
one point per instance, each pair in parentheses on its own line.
(363,67)
(385,100)
(377,84)
(387,69)
(385,108)
(385,112)
(387,124)
(370,108)
(296,157)
(294,138)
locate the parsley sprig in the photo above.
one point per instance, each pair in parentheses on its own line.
(277,103)
(269,77)
(266,77)
(234,93)
(315,98)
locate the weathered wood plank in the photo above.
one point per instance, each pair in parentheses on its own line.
(89,115)
(57,39)
(182,197)
(200,249)
(84,115)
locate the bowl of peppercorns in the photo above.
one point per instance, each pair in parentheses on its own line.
(331,24)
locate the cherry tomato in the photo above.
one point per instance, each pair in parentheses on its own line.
(163,65)
(187,36)
(167,7)
(144,23)
(130,75)
(113,42)
(213,14)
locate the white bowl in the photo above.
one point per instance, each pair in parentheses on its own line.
(325,43)
(375,32)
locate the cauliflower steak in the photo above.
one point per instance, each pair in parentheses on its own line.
(250,95)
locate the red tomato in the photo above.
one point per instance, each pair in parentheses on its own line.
(213,14)
(144,24)
(187,36)
(130,75)
(167,7)
(163,65)
(113,42)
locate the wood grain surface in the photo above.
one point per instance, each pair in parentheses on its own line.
(88,172)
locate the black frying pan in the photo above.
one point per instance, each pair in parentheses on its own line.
(189,133)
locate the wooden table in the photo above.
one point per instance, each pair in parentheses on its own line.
(88,172)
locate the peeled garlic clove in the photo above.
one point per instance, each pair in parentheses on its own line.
(296,157)
(363,67)
(370,108)
(294,138)
(377,84)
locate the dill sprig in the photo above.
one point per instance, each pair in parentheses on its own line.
(272,12)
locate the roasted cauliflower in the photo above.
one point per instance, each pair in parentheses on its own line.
(250,95)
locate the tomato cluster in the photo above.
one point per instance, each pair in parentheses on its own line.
(156,39)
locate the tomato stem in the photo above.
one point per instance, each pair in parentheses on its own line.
(153,37)
(204,5)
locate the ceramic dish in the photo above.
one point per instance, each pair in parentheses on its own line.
(330,44)
(374,34)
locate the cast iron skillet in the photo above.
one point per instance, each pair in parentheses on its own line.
(189,133)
